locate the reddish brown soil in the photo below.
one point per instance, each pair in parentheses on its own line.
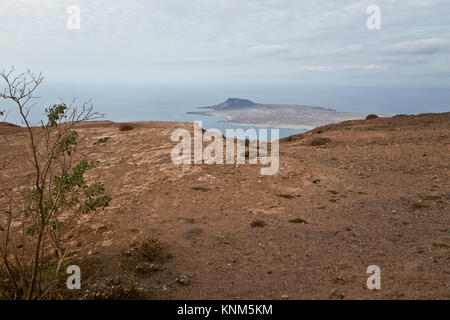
(381,197)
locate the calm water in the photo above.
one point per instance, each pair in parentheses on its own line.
(171,102)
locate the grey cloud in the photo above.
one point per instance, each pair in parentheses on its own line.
(178,40)
(420,47)
(349,67)
(269,49)
(349,49)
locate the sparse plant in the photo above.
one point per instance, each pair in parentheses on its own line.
(39,221)
(144,256)
(116,288)
(258,224)
(286,196)
(298,220)
(371,116)
(417,205)
(125,127)
(150,249)
(318,141)
(200,188)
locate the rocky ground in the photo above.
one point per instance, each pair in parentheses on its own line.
(347,196)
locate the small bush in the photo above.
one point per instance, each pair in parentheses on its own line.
(286,196)
(146,267)
(258,224)
(318,141)
(117,288)
(204,189)
(151,250)
(144,257)
(417,205)
(125,127)
(193,232)
(371,116)
(298,220)
(102,140)
(339,280)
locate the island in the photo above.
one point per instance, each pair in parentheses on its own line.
(236,111)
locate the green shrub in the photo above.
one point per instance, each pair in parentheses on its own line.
(49,210)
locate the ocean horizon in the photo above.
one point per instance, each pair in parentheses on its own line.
(128,103)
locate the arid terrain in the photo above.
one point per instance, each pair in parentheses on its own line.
(346,196)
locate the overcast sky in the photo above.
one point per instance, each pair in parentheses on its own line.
(230,41)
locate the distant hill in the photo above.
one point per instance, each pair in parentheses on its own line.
(233,103)
(7,125)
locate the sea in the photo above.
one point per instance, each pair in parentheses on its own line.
(169,102)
